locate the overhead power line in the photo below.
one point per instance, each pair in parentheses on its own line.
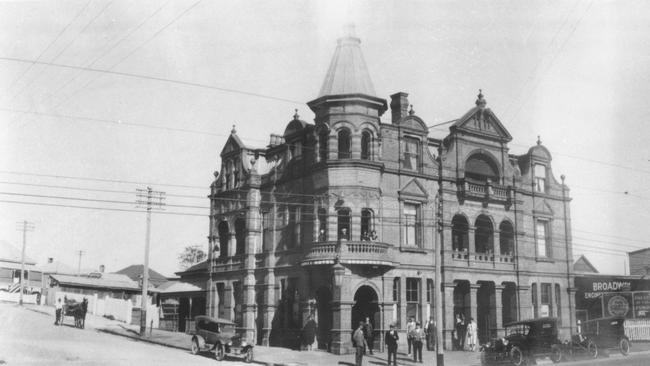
(152,78)
(32,63)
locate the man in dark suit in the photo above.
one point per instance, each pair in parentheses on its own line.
(391,344)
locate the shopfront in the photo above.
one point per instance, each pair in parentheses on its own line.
(600,296)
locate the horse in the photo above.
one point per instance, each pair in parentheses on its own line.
(77,311)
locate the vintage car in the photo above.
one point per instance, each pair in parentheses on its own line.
(218,336)
(524,341)
(607,333)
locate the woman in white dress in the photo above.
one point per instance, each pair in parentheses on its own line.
(472,335)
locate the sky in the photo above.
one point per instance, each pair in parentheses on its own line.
(574,73)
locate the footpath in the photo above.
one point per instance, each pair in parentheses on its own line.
(277,356)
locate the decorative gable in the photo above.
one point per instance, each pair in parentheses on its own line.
(483,122)
(414,189)
(233,144)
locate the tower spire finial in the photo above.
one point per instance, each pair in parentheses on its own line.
(349,30)
(233,131)
(295,115)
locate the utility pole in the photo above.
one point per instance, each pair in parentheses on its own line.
(150,200)
(438,236)
(23,226)
(80,253)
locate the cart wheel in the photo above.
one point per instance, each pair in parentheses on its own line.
(219,353)
(556,354)
(195,347)
(592,349)
(624,346)
(249,355)
(517,357)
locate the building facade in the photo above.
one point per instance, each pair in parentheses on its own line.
(339,219)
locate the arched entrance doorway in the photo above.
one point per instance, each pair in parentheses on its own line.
(365,305)
(323,317)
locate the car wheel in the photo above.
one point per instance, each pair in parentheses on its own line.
(556,353)
(592,349)
(624,346)
(219,353)
(517,356)
(195,346)
(249,356)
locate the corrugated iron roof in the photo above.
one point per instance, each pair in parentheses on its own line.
(347,73)
(107,280)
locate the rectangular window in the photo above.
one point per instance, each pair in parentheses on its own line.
(542,239)
(411,224)
(540,177)
(412,297)
(411,158)
(533,292)
(546,305)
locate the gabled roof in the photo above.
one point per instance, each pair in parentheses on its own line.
(482,121)
(111,281)
(347,73)
(136,270)
(199,267)
(583,265)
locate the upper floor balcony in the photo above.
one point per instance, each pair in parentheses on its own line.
(481,260)
(486,192)
(349,252)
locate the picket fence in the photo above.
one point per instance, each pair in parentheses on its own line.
(637,329)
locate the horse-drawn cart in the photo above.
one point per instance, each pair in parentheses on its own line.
(75,309)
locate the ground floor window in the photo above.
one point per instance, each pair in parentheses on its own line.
(413,298)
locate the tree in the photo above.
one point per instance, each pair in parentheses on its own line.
(190,256)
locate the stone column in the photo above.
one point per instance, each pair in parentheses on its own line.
(228,301)
(402,303)
(386,309)
(448,316)
(473,303)
(498,309)
(332,224)
(553,304)
(355,225)
(356,145)
(341,312)
(232,240)
(332,146)
(471,242)
(423,299)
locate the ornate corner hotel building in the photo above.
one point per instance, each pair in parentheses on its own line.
(339,219)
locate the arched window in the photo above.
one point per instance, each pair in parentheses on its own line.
(366,141)
(224,238)
(344,224)
(506,238)
(480,167)
(240,236)
(322,145)
(459,233)
(366,224)
(344,143)
(484,235)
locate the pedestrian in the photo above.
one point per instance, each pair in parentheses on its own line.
(410,327)
(472,334)
(418,338)
(367,334)
(359,342)
(430,331)
(460,332)
(58,309)
(308,333)
(391,344)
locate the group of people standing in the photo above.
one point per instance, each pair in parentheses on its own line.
(465,333)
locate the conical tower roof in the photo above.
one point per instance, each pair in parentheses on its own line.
(348,73)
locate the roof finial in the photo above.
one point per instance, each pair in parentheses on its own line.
(539,141)
(480,101)
(233,131)
(296,116)
(411,111)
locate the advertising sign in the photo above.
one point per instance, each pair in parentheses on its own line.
(618,304)
(641,304)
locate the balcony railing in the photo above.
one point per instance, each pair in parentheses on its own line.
(225,264)
(474,257)
(349,252)
(484,192)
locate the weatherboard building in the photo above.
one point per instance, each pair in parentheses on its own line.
(337,218)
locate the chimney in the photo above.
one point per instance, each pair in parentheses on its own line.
(101,268)
(50,260)
(399,104)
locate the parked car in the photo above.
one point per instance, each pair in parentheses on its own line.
(218,336)
(524,341)
(607,333)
